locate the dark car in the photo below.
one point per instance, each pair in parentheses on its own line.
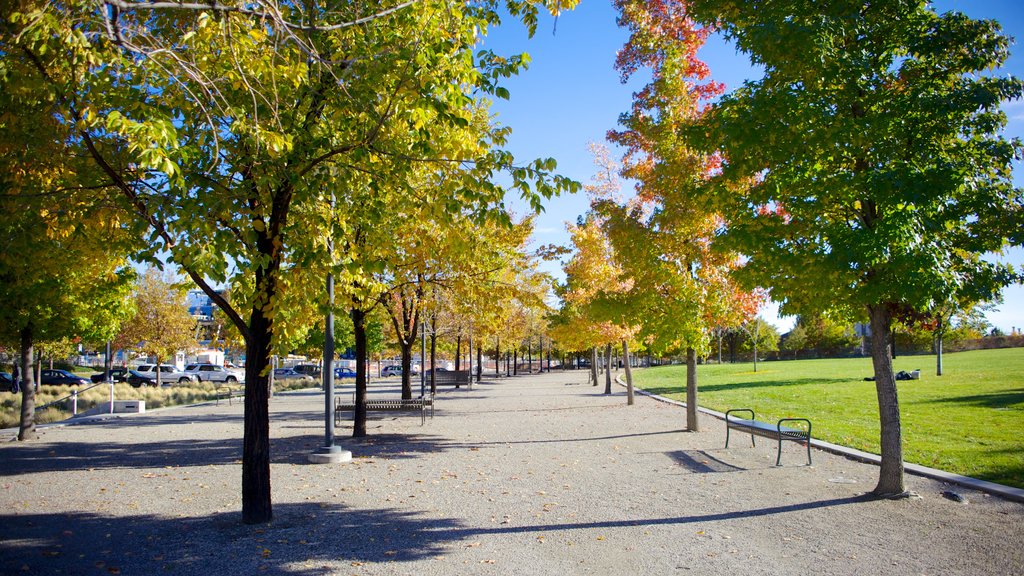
(138,379)
(55,377)
(6,382)
(117,374)
(340,372)
(308,369)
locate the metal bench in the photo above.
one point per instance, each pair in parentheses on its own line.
(448,378)
(774,431)
(422,405)
(229,394)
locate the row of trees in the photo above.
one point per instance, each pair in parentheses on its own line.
(862,177)
(262,147)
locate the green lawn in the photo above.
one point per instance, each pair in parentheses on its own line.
(969,421)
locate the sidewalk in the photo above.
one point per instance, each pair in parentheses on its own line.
(527,475)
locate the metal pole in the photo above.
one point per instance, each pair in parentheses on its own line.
(328,368)
(106,363)
(329,452)
(423,356)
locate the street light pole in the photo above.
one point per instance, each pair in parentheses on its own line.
(423,359)
(329,452)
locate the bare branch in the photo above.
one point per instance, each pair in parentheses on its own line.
(270,12)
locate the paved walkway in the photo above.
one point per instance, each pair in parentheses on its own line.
(529,475)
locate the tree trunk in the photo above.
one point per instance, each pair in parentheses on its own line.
(359,331)
(406,349)
(497,356)
(629,373)
(479,362)
(692,425)
(458,352)
(938,347)
(27,430)
(593,364)
(608,368)
(256,506)
(890,475)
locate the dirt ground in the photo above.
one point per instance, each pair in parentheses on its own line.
(527,475)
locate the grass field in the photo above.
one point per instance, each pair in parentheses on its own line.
(970,421)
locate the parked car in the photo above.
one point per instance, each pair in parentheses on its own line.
(214,373)
(310,369)
(341,372)
(117,374)
(56,377)
(168,374)
(6,382)
(291,374)
(397,371)
(137,379)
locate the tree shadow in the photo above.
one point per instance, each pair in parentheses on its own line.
(1005,399)
(560,440)
(30,458)
(665,390)
(303,539)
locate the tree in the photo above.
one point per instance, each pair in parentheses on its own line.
(225,125)
(161,326)
(680,281)
(865,170)
(63,241)
(761,337)
(795,340)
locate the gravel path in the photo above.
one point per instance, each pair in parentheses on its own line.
(528,475)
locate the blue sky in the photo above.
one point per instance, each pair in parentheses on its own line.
(571,95)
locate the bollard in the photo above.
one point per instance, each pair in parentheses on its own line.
(74,402)
(111,397)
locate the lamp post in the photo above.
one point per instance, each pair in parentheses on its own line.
(423,359)
(330,452)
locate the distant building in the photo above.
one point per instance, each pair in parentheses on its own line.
(200,306)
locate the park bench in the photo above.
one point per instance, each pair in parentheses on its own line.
(774,431)
(421,405)
(449,378)
(229,394)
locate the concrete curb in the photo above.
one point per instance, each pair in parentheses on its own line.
(1007,492)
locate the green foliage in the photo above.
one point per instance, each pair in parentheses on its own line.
(162,326)
(967,422)
(761,333)
(874,141)
(828,336)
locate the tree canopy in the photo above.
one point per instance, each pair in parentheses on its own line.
(866,171)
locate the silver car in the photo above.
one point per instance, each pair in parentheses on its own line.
(290,374)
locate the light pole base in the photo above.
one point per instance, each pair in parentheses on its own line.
(330,455)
